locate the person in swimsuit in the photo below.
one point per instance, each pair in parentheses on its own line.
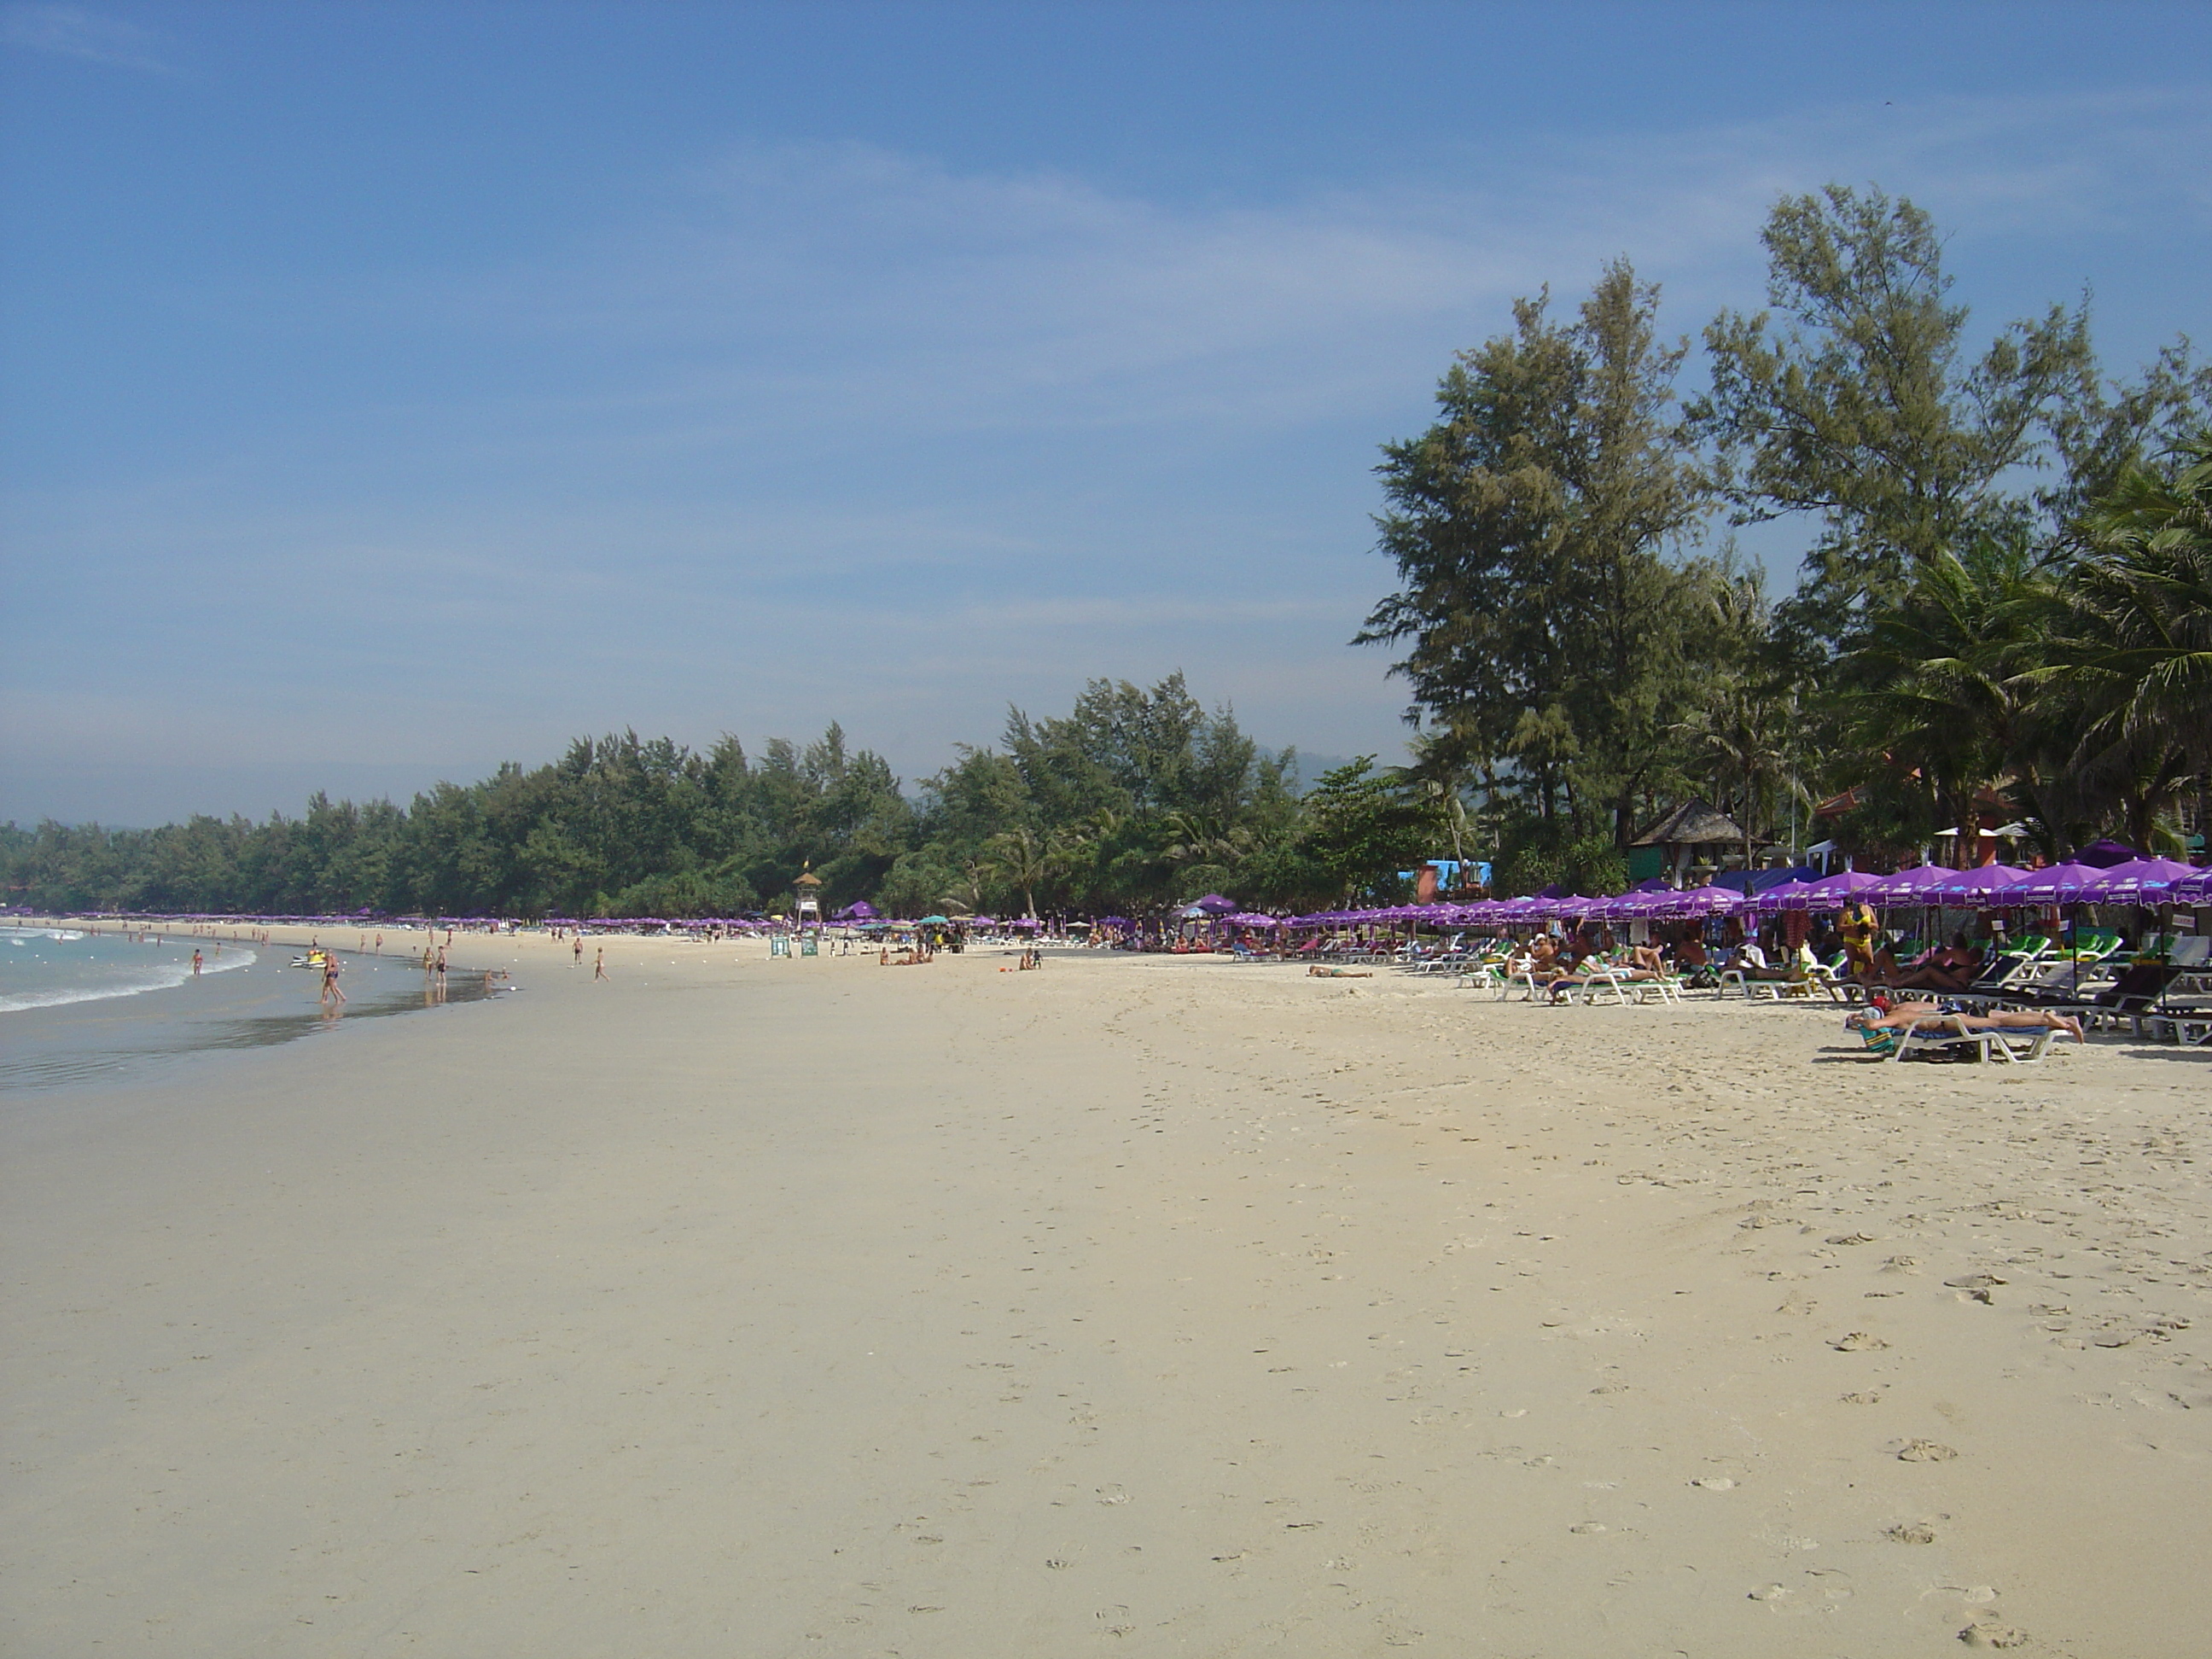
(1903,1016)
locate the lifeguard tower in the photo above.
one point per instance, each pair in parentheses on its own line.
(806,911)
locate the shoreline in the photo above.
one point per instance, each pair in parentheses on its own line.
(237,1004)
(792,1307)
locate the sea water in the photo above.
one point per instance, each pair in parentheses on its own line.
(53,967)
(80,1006)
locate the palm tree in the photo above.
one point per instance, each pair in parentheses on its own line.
(1196,838)
(1081,851)
(1017,857)
(1441,775)
(1741,741)
(2137,637)
(1950,672)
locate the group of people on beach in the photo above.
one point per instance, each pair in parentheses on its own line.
(1564,962)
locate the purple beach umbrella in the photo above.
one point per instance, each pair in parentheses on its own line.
(1789,896)
(2061,883)
(1908,886)
(2140,881)
(1982,888)
(1833,892)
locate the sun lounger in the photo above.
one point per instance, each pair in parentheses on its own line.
(1598,983)
(1941,1035)
(1752,988)
(1944,1036)
(1927,1037)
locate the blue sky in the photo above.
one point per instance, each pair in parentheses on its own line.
(390,391)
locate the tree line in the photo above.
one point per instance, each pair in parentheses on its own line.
(1137,799)
(2006,607)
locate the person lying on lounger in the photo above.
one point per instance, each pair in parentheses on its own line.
(1903,1016)
(1751,963)
(1950,968)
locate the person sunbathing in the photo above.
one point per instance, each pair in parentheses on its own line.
(1951,968)
(1751,963)
(1902,1016)
(1319,972)
(1547,962)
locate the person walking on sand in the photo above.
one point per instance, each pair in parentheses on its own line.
(579,961)
(600,964)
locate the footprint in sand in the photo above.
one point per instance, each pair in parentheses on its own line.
(1993,1635)
(1715,1483)
(1911,1532)
(1924,1451)
(1858,1342)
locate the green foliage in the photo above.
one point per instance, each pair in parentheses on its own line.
(1537,852)
(2134,645)
(2008,597)
(1552,639)
(1864,407)
(1136,800)
(1358,830)
(619,826)
(2005,598)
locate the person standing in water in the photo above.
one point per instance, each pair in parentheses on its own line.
(196,964)
(332,996)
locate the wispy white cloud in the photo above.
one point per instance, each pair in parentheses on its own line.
(798,289)
(73,32)
(996,431)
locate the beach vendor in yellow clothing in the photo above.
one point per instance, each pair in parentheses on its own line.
(1859,930)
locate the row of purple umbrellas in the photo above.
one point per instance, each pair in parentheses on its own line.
(1986,887)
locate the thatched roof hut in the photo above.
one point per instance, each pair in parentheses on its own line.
(1696,832)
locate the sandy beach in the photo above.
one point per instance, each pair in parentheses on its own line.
(737,1307)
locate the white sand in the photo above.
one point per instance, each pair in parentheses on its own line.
(1150,1306)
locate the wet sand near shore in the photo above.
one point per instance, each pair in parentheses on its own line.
(1143,1305)
(267,1003)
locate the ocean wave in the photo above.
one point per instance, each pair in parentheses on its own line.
(166,977)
